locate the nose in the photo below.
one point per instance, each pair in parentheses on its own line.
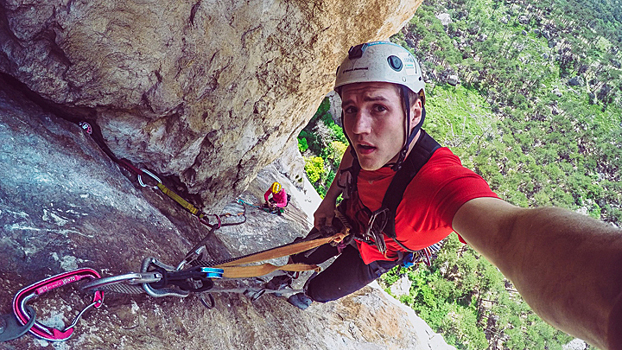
(362,123)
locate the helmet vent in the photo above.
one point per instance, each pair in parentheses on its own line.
(356,51)
(395,63)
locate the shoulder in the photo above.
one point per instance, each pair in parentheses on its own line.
(443,166)
(443,185)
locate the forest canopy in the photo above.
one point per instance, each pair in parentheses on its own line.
(537,113)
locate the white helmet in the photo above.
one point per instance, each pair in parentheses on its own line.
(381,61)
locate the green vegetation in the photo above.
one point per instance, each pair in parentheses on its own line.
(538,114)
(322,143)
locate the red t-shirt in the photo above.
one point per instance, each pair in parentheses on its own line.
(425,214)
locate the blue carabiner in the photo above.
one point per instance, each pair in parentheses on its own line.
(212,272)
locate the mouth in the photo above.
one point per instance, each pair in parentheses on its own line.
(364,149)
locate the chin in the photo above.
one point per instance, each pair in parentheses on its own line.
(369,166)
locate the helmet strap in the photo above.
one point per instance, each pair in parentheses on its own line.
(352,151)
(410,135)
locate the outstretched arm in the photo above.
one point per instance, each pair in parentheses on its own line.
(567,266)
(326,210)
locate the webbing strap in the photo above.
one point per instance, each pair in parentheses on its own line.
(284,250)
(174,196)
(233,270)
(263,269)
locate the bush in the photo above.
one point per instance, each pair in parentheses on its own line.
(314,166)
(302,144)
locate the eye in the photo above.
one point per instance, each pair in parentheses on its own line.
(379,108)
(349,110)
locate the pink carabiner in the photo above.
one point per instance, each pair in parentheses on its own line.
(43,286)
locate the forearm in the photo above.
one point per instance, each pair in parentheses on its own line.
(336,188)
(578,277)
(325,212)
(566,266)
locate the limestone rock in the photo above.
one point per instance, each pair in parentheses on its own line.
(575,344)
(445,18)
(335,106)
(401,287)
(453,80)
(209,92)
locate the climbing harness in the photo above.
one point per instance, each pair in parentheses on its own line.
(37,289)
(382,221)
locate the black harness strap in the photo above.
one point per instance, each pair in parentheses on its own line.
(421,153)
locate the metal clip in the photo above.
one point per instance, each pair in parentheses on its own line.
(191,257)
(163,292)
(133,278)
(41,287)
(152,175)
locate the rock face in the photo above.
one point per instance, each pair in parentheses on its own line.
(207,91)
(64,204)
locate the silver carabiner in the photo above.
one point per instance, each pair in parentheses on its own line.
(152,175)
(191,257)
(128,280)
(163,292)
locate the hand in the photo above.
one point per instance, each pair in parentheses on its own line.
(324,214)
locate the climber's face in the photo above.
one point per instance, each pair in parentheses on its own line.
(373,119)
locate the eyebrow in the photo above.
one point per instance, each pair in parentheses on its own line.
(366,99)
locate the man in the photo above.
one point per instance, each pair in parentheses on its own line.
(568,267)
(278,200)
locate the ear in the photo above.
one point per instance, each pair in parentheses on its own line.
(415,113)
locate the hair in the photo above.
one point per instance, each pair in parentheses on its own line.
(412,96)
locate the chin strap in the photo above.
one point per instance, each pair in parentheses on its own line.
(402,155)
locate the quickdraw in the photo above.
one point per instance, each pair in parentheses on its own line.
(161,280)
(143,174)
(174,196)
(191,275)
(37,289)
